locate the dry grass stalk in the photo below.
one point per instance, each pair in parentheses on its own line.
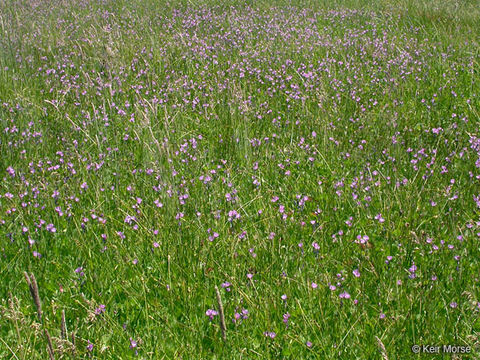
(73,344)
(13,306)
(222,317)
(63,326)
(383,351)
(50,345)
(32,284)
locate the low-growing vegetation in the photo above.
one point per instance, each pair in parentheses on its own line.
(238,179)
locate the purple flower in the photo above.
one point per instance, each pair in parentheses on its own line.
(211,313)
(100,309)
(356,273)
(11,171)
(270,334)
(51,228)
(130,219)
(412,271)
(79,271)
(213,236)
(240,315)
(179,216)
(233,215)
(362,239)
(226,285)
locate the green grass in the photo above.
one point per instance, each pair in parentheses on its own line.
(317,122)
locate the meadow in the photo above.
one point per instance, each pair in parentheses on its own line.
(240,179)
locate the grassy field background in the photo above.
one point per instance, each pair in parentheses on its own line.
(316,161)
